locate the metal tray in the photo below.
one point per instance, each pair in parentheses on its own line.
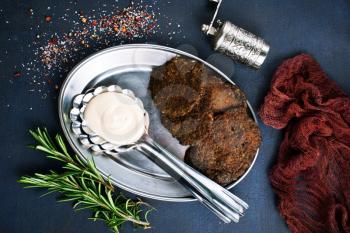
(129,66)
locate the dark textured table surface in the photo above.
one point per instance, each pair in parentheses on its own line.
(321,28)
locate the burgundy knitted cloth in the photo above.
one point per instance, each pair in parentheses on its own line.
(312,174)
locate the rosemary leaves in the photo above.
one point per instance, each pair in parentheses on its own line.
(82,184)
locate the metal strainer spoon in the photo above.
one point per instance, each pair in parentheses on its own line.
(219,200)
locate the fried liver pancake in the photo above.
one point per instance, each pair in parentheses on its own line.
(208,114)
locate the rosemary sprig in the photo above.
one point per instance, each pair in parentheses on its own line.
(83,184)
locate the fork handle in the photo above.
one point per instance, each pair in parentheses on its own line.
(218,199)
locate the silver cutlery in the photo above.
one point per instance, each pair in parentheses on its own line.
(216,198)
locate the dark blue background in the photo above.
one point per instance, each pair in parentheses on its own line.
(321,28)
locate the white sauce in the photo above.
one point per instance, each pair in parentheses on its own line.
(116,118)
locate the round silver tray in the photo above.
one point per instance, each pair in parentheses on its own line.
(129,66)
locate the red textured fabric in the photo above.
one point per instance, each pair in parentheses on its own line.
(312,175)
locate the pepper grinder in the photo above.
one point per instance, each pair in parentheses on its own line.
(237,43)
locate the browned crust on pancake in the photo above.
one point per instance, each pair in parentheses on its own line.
(208,114)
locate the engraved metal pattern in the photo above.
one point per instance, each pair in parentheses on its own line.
(241,45)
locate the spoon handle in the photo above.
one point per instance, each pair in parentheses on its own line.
(218,199)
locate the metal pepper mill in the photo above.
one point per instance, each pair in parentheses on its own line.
(236,42)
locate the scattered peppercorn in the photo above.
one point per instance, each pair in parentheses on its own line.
(17,74)
(54,53)
(94,23)
(53,41)
(48,18)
